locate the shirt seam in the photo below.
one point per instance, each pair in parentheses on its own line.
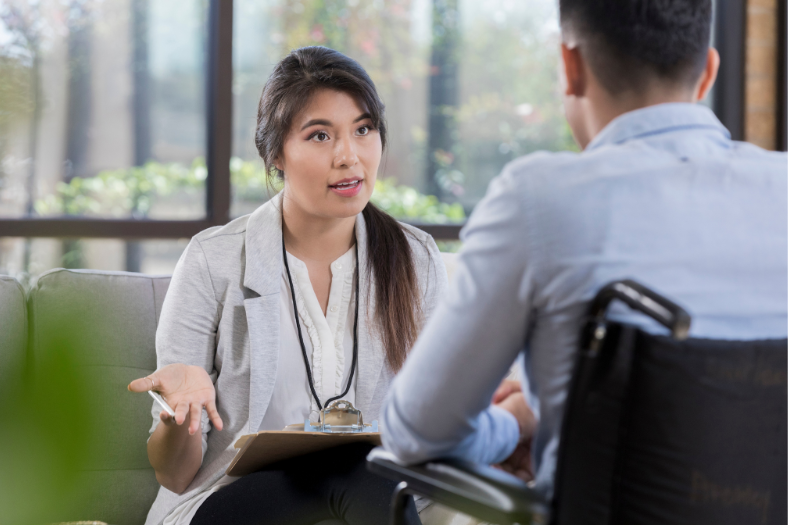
(208,268)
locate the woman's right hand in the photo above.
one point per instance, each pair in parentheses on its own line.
(187,389)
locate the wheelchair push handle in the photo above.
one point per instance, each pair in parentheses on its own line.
(640,298)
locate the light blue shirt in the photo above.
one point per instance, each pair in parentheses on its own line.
(661,195)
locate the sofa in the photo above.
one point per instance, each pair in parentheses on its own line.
(114,316)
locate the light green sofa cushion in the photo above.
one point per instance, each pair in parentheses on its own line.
(112,317)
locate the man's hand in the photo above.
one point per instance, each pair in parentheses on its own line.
(519,463)
(516,405)
(507,387)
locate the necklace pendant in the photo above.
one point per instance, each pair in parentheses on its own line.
(341,417)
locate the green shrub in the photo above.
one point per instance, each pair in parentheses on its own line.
(133,192)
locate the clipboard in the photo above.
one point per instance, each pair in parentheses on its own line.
(256,451)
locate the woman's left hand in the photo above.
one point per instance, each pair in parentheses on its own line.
(188,389)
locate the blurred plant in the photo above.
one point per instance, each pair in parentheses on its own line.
(122,192)
(406,203)
(249,181)
(15,86)
(449,246)
(48,434)
(134,191)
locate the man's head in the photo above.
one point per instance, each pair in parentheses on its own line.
(633,53)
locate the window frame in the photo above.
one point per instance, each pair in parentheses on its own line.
(782,76)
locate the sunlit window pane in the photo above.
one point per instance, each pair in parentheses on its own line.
(468,85)
(26,259)
(102,108)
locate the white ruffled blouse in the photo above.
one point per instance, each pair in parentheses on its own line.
(328,340)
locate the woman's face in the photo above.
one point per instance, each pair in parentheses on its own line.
(331,156)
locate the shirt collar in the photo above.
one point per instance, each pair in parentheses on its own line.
(346,261)
(653,120)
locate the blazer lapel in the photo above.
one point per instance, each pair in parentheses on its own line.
(263,270)
(264,248)
(262,319)
(370,347)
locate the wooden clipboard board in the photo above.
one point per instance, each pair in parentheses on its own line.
(256,451)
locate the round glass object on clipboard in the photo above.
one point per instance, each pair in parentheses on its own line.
(339,417)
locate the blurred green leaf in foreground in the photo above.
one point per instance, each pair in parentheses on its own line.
(46,435)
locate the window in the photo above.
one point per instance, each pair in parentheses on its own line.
(26,258)
(468,85)
(127,127)
(105,116)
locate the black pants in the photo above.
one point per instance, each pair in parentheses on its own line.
(332,484)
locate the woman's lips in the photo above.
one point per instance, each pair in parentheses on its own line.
(347,189)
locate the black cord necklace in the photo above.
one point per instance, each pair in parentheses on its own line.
(301,338)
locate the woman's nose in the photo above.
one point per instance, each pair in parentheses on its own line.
(345,155)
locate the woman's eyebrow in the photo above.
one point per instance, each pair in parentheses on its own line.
(324,122)
(317,122)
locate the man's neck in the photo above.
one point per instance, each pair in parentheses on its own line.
(603,108)
(312,238)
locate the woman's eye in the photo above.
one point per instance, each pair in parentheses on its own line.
(363,130)
(320,136)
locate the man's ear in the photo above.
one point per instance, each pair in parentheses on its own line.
(574,72)
(708,76)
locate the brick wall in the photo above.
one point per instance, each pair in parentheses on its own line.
(761,70)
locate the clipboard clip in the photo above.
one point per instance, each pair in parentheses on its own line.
(341,417)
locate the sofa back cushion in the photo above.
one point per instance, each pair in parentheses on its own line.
(112,319)
(13,323)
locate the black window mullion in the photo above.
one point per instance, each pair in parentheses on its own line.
(219,112)
(782,74)
(730,18)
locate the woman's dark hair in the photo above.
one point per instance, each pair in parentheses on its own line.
(389,259)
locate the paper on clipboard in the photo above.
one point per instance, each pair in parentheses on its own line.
(256,451)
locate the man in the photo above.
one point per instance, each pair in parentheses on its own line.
(659,194)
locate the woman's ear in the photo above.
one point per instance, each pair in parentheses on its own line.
(573,71)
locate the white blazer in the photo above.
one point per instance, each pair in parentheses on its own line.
(222,312)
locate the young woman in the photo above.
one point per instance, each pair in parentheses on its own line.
(309,278)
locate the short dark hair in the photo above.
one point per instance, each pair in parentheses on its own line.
(628,43)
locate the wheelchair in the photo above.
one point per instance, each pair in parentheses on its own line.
(657,429)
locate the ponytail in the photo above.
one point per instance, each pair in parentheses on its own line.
(398,308)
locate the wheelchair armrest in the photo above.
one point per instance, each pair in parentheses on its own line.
(481,491)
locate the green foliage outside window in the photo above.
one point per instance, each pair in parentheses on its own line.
(406,203)
(122,192)
(134,191)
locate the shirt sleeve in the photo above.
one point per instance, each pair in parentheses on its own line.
(188,324)
(439,404)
